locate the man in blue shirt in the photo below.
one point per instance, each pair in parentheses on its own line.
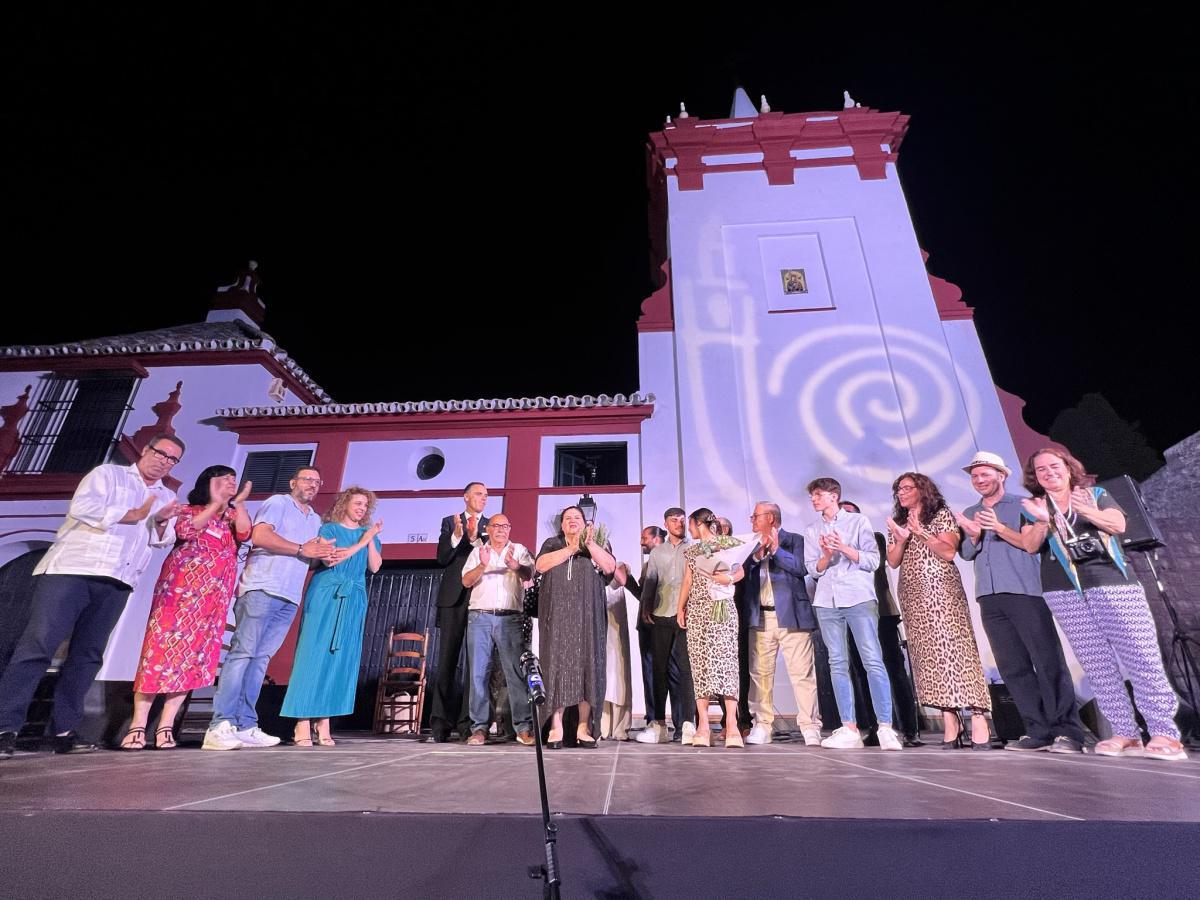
(1018,623)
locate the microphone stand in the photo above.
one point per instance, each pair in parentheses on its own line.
(548,872)
(1181,645)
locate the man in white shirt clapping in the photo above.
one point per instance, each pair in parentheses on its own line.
(495,573)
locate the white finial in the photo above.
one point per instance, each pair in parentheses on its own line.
(848,101)
(683,113)
(668,120)
(253,265)
(763,106)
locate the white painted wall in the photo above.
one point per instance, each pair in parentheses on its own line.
(660,440)
(391,465)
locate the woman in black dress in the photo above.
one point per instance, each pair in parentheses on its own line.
(572,625)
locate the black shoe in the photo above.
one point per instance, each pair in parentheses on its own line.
(1064,744)
(70,743)
(553,745)
(1027,744)
(871,740)
(982,745)
(584,744)
(912,740)
(8,744)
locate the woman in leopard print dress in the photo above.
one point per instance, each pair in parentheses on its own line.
(922,541)
(712,630)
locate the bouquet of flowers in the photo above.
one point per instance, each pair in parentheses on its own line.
(719,555)
(599,535)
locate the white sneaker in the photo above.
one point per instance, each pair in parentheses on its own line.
(256,737)
(812,736)
(689,732)
(759,734)
(888,739)
(654,734)
(843,739)
(222,736)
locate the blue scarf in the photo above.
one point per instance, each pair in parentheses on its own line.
(1064,558)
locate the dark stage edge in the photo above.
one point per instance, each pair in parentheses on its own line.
(331,855)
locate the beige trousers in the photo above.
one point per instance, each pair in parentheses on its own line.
(766,643)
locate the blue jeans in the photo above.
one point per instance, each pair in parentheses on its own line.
(863,622)
(262,624)
(484,631)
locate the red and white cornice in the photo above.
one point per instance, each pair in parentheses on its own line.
(778,144)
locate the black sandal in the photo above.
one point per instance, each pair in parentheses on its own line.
(168,743)
(139,740)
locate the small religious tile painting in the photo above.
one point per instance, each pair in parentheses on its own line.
(794,281)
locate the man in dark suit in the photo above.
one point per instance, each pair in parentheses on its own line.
(461,533)
(781,621)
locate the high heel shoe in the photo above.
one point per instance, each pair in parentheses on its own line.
(979,745)
(553,745)
(956,742)
(702,739)
(734,738)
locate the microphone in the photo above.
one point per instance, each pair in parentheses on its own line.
(533,678)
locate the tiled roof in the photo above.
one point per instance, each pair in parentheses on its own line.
(429,406)
(228,335)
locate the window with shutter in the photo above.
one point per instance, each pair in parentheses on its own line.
(272,470)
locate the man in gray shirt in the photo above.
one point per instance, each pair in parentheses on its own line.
(1018,623)
(660,603)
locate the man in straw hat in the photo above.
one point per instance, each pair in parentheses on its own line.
(1017,621)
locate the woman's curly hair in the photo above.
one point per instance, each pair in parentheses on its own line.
(338,511)
(932,500)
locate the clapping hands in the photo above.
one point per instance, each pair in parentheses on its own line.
(899,533)
(1037,508)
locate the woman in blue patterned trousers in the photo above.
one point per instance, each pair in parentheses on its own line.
(1099,603)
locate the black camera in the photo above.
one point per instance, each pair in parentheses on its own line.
(1083,547)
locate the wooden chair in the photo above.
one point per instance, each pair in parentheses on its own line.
(401,693)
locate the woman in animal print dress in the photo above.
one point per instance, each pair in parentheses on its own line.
(707,611)
(922,540)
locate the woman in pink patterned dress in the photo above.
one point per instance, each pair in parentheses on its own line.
(191,604)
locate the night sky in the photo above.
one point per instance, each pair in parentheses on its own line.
(452,204)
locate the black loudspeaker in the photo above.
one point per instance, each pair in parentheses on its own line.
(1141,531)
(1005,715)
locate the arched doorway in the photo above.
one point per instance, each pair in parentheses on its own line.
(16,591)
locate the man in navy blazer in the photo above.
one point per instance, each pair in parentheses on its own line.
(461,533)
(781,621)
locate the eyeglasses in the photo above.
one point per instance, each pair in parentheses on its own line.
(317,481)
(905,488)
(754,516)
(498,526)
(167,456)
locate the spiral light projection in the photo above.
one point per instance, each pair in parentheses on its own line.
(896,387)
(904,389)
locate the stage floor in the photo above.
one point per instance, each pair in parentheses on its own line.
(370,774)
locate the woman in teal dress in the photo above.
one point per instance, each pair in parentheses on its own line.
(325,670)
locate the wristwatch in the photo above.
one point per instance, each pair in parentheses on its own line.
(300,553)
